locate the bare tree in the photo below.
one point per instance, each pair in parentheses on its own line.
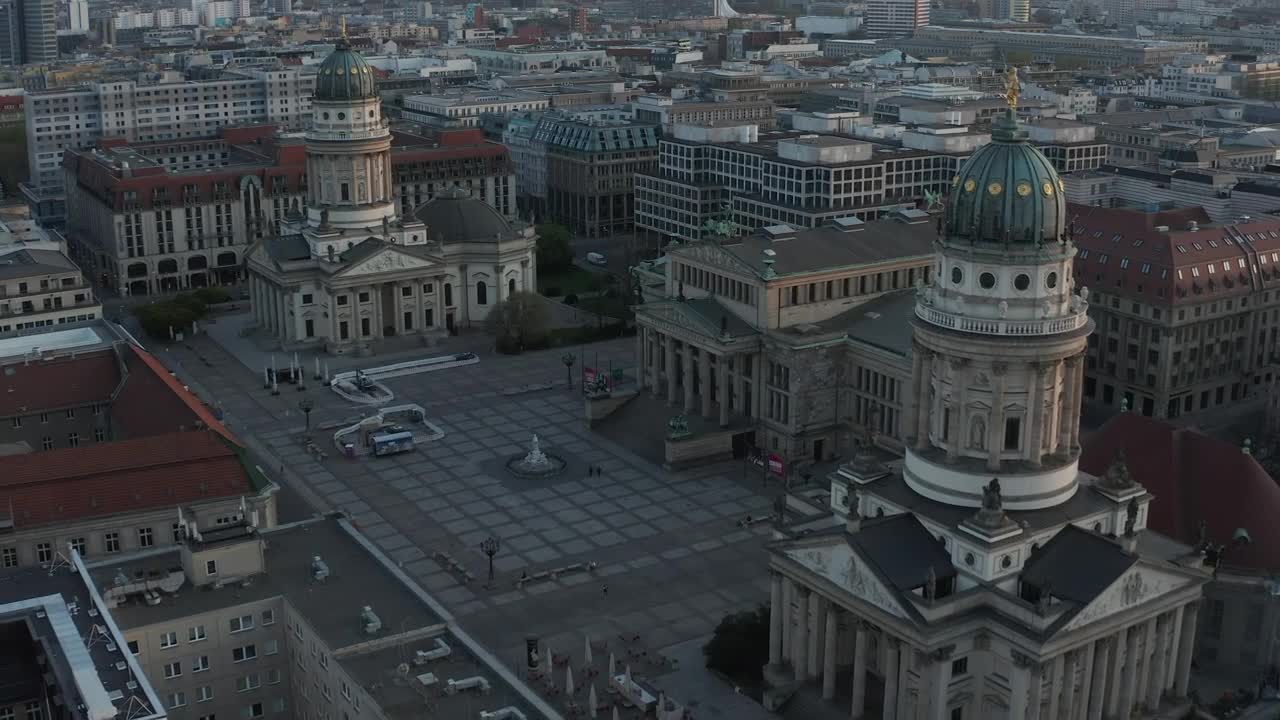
(518,322)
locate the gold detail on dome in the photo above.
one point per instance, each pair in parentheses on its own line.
(338,71)
(955,181)
(995,188)
(1012,89)
(1024,189)
(969,185)
(1062,187)
(1047,188)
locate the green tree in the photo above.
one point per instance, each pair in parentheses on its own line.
(739,648)
(554,253)
(519,323)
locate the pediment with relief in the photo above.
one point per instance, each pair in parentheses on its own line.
(842,566)
(674,318)
(387,260)
(712,254)
(1136,586)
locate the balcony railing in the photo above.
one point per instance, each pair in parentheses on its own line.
(1012,328)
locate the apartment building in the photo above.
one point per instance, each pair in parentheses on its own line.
(668,112)
(895,18)
(43,288)
(152,217)
(465,108)
(165,108)
(591,171)
(83,415)
(307,621)
(520,61)
(1103,51)
(734,172)
(1187,312)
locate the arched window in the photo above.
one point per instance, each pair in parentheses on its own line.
(482,293)
(448,294)
(511,287)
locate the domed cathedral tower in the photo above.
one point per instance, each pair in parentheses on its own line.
(348,147)
(1000,337)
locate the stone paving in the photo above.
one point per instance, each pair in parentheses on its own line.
(671,560)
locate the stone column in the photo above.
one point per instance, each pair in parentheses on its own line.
(1096,699)
(722,388)
(995,424)
(1128,683)
(704,381)
(1186,646)
(775,618)
(1055,685)
(816,633)
(687,378)
(1068,684)
(1148,650)
(1076,365)
(939,683)
(788,596)
(1171,662)
(1065,420)
(924,407)
(859,705)
(1115,673)
(1036,412)
(1081,704)
(1036,680)
(670,344)
(799,658)
(1019,686)
(893,653)
(960,391)
(915,408)
(829,648)
(906,656)
(640,368)
(1155,684)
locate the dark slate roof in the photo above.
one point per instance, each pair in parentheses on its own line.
(1077,565)
(461,218)
(25,263)
(710,311)
(288,248)
(1194,478)
(885,322)
(902,551)
(827,247)
(362,250)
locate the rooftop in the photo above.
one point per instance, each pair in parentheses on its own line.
(829,248)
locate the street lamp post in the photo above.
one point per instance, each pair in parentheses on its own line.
(306,405)
(568,359)
(489,546)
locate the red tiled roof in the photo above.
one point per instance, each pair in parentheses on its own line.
(124,476)
(1195,477)
(1158,258)
(153,402)
(70,381)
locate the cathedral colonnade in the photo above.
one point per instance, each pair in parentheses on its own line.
(1124,673)
(709,381)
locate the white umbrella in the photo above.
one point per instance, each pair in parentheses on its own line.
(629,683)
(591,700)
(568,679)
(550,667)
(615,712)
(587,652)
(662,703)
(612,662)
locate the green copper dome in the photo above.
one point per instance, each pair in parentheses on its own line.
(345,75)
(1007,191)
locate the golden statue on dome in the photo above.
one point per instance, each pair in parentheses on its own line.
(1011,88)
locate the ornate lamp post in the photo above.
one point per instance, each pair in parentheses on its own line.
(568,359)
(489,546)
(306,405)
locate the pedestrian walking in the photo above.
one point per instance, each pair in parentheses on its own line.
(604,590)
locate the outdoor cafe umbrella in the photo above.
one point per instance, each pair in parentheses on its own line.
(587,652)
(568,679)
(612,663)
(591,700)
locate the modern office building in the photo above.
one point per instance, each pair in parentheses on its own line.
(28,32)
(164,109)
(1098,51)
(895,18)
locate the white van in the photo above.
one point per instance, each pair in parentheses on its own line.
(596,258)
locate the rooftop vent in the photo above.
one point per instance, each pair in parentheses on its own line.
(1162,228)
(319,570)
(372,624)
(1193,226)
(778,233)
(848,224)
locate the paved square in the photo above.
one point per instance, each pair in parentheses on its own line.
(670,559)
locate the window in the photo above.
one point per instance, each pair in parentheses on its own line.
(242,623)
(10,557)
(240,654)
(177,699)
(341,300)
(448,294)
(268,617)
(133,646)
(99,434)
(173,669)
(406,291)
(482,293)
(211,568)
(44,552)
(71,413)
(248,682)
(73,439)
(270,647)
(44,417)
(15,423)
(200,664)
(251,711)
(47,443)
(307,298)
(196,634)
(204,693)
(1012,433)
(273,676)
(79,545)
(168,640)
(363,297)
(145,538)
(111,541)
(959,666)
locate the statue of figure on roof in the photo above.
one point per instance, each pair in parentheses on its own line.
(324,217)
(1130,517)
(1117,475)
(931,585)
(991,500)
